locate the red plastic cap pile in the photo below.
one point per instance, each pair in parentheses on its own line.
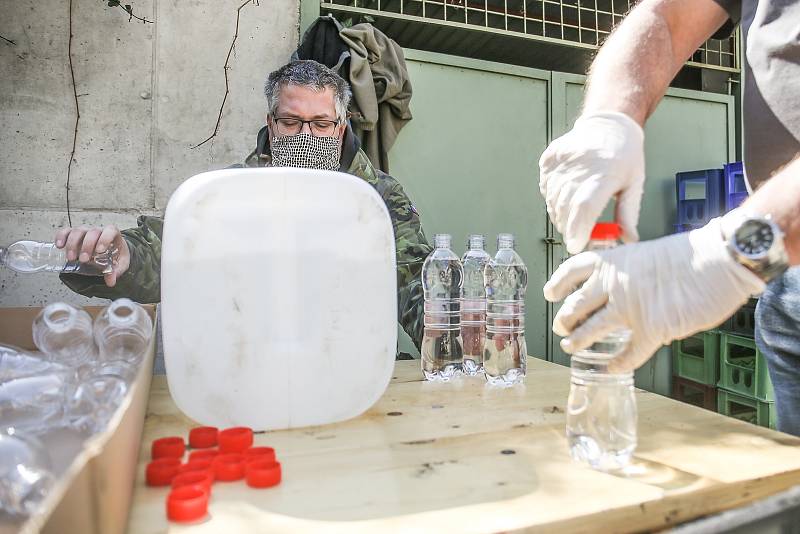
(235,459)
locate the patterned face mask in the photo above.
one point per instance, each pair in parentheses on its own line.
(306,151)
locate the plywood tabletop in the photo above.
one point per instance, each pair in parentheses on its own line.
(466,457)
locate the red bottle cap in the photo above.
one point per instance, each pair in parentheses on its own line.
(229,467)
(171,447)
(201,479)
(197,464)
(187,503)
(605,231)
(259,453)
(263,473)
(160,472)
(203,437)
(236,439)
(209,454)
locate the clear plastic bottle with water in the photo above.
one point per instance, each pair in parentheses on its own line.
(35,257)
(25,475)
(506,278)
(122,331)
(442,277)
(601,409)
(65,334)
(473,304)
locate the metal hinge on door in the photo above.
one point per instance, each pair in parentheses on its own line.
(552,241)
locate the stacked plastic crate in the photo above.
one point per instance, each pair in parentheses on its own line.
(720,370)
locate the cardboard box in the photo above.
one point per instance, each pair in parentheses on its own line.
(95,478)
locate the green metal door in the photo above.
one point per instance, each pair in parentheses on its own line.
(469,158)
(469,161)
(689,130)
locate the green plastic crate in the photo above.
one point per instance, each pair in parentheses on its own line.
(746,408)
(743,369)
(743,321)
(696,358)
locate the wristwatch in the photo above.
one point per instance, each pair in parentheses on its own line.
(756,242)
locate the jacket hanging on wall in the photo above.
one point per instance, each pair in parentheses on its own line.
(378,77)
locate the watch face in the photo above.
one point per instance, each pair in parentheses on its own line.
(754,238)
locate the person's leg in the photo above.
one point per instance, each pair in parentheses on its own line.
(778,338)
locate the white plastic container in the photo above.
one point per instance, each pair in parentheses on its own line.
(279,299)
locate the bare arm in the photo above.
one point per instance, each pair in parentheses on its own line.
(636,64)
(780,197)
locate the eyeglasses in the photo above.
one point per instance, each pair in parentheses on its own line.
(318,127)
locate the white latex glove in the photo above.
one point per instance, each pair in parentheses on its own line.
(602,156)
(661,290)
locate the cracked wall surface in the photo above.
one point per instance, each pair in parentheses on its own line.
(147,93)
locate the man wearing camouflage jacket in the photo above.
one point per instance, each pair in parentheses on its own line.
(302,96)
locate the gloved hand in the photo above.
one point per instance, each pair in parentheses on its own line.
(661,290)
(602,156)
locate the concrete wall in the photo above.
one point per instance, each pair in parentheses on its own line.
(147,93)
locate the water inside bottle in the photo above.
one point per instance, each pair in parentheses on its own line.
(601,413)
(473,334)
(504,358)
(442,354)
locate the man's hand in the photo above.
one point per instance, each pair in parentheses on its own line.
(83,242)
(601,157)
(661,290)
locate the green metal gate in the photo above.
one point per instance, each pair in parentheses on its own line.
(469,158)
(689,130)
(469,161)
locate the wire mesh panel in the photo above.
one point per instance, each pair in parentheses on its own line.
(582,23)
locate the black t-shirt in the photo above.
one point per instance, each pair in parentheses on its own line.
(771,95)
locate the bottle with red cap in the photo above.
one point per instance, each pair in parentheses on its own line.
(601,409)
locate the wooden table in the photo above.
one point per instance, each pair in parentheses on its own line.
(465,457)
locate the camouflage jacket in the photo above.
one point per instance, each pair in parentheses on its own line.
(142,281)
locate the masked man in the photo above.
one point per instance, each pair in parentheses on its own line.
(306,127)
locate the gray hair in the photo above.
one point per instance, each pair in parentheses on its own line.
(308,73)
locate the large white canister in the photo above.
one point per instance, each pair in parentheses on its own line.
(278,297)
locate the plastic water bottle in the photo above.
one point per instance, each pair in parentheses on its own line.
(504,354)
(122,331)
(34,257)
(473,304)
(36,402)
(17,363)
(601,409)
(55,398)
(25,475)
(33,390)
(125,371)
(93,403)
(64,333)
(442,277)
